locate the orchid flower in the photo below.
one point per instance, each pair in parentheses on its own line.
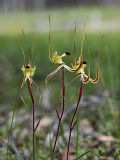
(55,58)
(28,73)
(58,60)
(79,66)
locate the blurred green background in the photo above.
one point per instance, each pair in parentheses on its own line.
(99,18)
(99,21)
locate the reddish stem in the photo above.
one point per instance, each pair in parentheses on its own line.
(57,113)
(33,106)
(71,124)
(35,128)
(60,116)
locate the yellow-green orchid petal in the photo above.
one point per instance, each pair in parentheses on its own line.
(97,74)
(53,73)
(79,68)
(23,70)
(33,71)
(28,72)
(56,59)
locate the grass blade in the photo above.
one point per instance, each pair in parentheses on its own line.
(80,156)
(11,125)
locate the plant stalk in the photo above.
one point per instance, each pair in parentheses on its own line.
(60,116)
(77,135)
(33,114)
(71,124)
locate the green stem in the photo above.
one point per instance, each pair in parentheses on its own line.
(11,125)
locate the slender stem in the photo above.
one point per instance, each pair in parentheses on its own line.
(10,133)
(74,44)
(71,124)
(77,135)
(60,116)
(35,127)
(11,125)
(32,98)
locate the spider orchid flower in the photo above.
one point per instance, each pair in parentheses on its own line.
(28,73)
(27,69)
(58,59)
(79,68)
(55,58)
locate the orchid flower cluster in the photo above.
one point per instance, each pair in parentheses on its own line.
(78,67)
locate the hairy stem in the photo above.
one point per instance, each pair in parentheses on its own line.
(33,106)
(60,116)
(71,124)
